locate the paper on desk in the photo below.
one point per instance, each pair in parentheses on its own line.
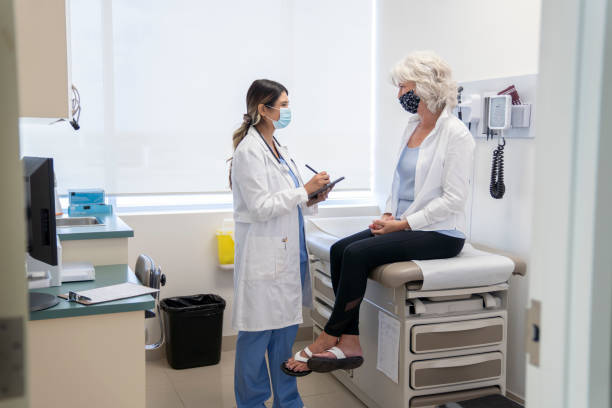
(388,346)
(113,292)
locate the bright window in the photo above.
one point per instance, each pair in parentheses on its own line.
(163,86)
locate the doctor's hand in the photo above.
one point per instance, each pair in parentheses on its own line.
(320,197)
(316,182)
(380,227)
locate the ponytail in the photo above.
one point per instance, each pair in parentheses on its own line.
(261,91)
(241,132)
(237,137)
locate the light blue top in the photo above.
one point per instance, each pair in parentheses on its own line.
(303,252)
(406,168)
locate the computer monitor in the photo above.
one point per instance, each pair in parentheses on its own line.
(40,219)
(40,209)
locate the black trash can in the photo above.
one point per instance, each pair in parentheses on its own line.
(193,327)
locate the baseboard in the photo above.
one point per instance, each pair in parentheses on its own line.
(303,334)
(229,343)
(515,398)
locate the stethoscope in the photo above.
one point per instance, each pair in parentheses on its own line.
(280,156)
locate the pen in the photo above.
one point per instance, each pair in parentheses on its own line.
(311,169)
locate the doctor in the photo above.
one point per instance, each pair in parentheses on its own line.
(271,278)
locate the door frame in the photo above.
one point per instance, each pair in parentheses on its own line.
(571,257)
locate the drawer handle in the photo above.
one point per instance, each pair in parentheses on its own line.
(323,311)
(319,266)
(459,326)
(458,362)
(324,279)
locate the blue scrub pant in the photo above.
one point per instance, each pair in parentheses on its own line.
(251,379)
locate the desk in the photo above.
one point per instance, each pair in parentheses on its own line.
(89,356)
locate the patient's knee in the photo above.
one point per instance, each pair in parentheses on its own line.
(351,252)
(352,304)
(336,249)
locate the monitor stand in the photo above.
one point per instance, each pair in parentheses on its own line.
(41,275)
(40,301)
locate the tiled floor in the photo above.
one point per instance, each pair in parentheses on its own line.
(213,387)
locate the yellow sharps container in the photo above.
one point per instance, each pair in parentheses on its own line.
(225,243)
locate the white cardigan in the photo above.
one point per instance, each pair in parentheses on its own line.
(442,176)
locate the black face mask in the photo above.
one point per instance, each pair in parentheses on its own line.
(410,101)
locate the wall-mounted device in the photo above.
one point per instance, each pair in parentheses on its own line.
(499,119)
(468,110)
(500,112)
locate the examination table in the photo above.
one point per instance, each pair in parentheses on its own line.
(436,346)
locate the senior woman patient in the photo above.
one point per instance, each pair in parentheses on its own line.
(424,216)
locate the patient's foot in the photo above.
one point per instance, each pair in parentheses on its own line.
(349,344)
(322,343)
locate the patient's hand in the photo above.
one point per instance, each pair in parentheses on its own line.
(384,217)
(380,227)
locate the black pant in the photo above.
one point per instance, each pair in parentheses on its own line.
(352,258)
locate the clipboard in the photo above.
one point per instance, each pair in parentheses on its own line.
(108,293)
(324,188)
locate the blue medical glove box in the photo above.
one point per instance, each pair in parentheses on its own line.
(86,196)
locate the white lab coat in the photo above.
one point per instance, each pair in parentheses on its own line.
(267,286)
(442,176)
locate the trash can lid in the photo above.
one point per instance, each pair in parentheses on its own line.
(201,302)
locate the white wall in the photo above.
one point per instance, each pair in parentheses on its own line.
(471,36)
(185,246)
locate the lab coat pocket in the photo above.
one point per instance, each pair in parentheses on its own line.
(263,257)
(280,257)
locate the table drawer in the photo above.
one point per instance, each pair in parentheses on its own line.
(430,338)
(320,313)
(323,285)
(320,266)
(435,400)
(455,370)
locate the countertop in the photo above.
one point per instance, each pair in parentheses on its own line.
(113,227)
(105,275)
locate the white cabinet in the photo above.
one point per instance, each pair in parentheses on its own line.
(43,58)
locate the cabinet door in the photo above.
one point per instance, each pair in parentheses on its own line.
(43,58)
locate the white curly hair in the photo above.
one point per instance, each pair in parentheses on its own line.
(433,78)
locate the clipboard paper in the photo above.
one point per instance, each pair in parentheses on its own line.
(112,292)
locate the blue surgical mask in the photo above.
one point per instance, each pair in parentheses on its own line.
(410,101)
(284,118)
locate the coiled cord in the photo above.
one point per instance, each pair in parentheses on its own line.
(498,188)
